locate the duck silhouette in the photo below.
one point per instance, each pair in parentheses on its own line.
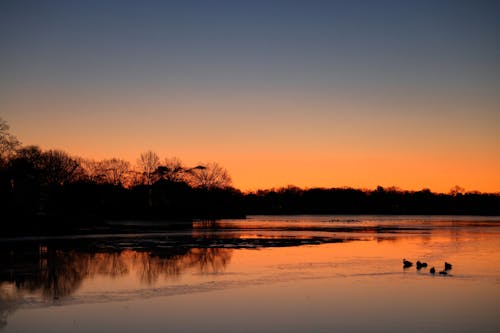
(407,263)
(421,265)
(447,266)
(432,270)
(443,272)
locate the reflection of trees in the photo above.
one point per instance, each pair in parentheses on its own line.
(211,260)
(57,272)
(60,274)
(205,260)
(8,302)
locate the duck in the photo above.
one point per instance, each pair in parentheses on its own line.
(407,263)
(447,266)
(432,270)
(421,264)
(443,272)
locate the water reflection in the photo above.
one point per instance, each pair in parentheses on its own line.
(56,270)
(204,260)
(167,277)
(8,302)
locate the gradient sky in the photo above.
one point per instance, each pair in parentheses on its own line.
(309,93)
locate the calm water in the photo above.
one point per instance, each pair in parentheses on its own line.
(263,274)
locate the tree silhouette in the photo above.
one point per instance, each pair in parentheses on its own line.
(27,163)
(58,168)
(172,170)
(42,189)
(112,171)
(52,167)
(148,164)
(210,176)
(8,142)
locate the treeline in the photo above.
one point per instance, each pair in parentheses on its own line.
(34,182)
(51,185)
(293,200)
(58,189)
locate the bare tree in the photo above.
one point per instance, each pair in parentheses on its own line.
(212,175)
(27,163)
(172,170)
(92,170)
(148,164)
(116,171)
(8,142)
(33,154)
(47,167)
(58,167)
(113,171)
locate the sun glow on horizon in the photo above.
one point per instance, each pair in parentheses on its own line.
(330,95)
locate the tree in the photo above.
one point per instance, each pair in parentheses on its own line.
(37,176)
(8,142)
(210,176)
(58,168)
(457,190)
(172,170)
(116,171)
(92,170)
(112,171)
(27,163)
(148,164)
(53,167)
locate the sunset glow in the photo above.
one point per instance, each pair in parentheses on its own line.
(312,94)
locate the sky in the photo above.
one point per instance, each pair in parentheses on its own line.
(306,93)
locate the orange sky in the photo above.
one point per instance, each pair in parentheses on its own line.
(367,144)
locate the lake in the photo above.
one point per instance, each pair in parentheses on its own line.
(263,274)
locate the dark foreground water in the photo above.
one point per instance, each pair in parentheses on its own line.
(264,274)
